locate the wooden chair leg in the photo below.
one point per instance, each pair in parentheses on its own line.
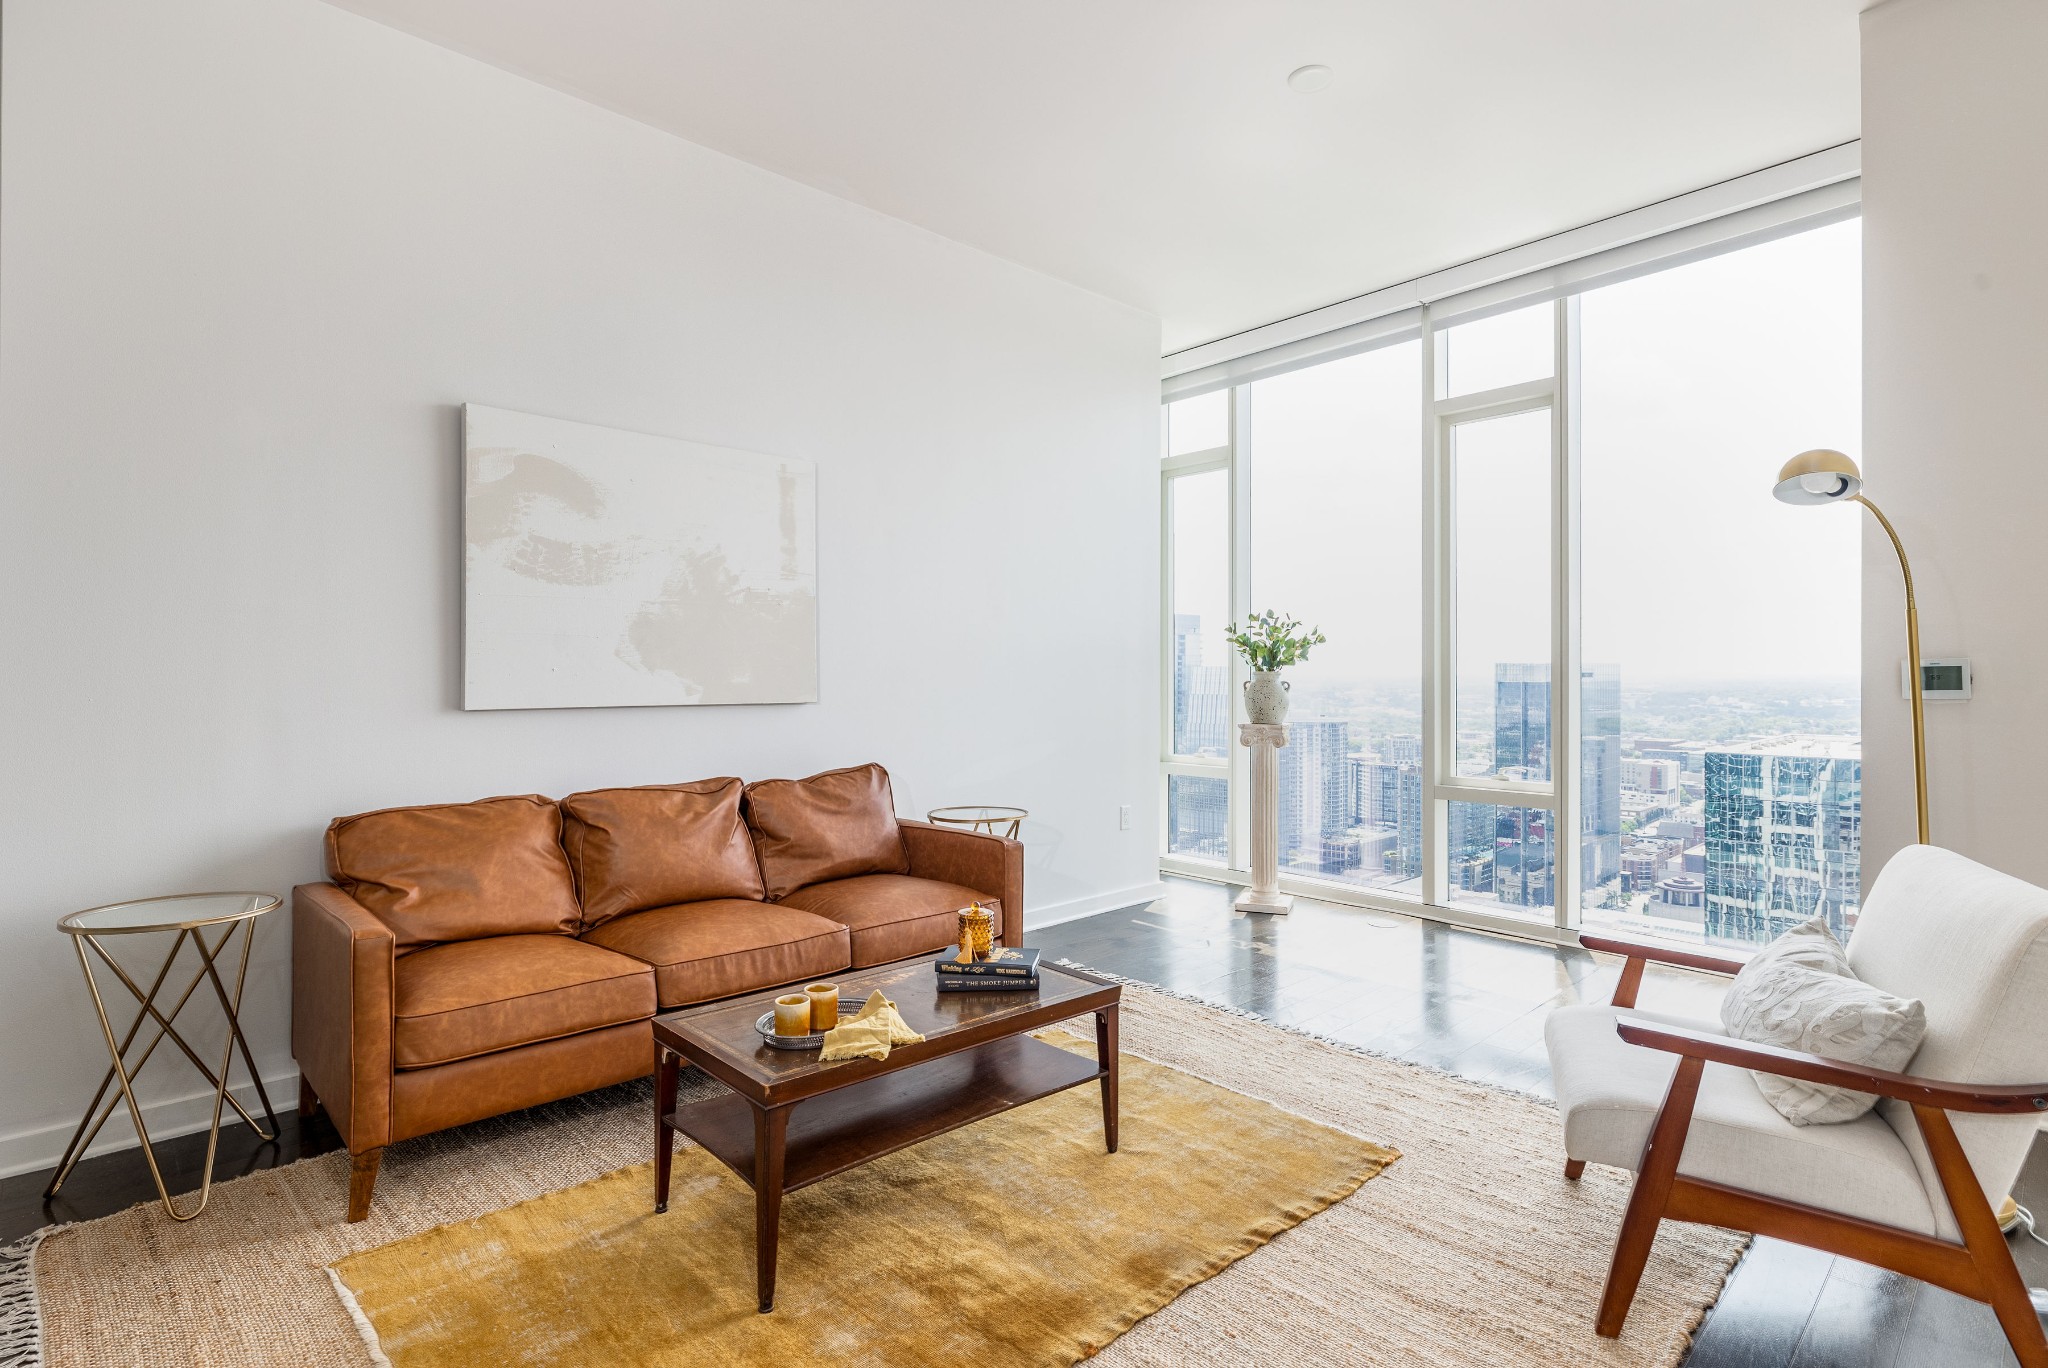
(1628,985)
(309,1101)
(1646,1204)
(1991,1255)
(1573,1168)
(362,1179)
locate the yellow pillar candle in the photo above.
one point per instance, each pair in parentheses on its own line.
(824,1005)
(793,1015)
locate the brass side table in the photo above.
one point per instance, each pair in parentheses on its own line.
(193,916)
(992,820)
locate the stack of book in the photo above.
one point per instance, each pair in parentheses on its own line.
(1007,970)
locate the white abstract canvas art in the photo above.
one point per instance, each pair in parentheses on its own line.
(609,569)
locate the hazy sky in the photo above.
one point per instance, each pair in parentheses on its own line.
(1696,384)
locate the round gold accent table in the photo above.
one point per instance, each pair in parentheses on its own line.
(193,916)
(995,821)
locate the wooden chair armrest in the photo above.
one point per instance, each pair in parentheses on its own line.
(1638,952)
(2005,1099)
(1662,953)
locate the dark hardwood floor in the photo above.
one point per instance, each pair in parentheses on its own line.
(1453,999)
(1475,1004)
(107,1183)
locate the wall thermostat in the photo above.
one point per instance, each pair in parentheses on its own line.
(1939,680)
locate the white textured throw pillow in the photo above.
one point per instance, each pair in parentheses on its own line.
(1799,993)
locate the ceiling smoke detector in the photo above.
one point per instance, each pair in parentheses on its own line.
(1309,79)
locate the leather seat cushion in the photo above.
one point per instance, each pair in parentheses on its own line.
(715,949)
(893,916)
(830,826)
(458,871)
(636,848)
(472,997)
(1610,1092)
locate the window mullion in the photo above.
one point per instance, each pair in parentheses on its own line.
(1240,608)
(1567,749)
(1436,622)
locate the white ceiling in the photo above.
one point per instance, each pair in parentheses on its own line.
(1151,150)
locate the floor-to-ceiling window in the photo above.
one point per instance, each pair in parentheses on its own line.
(1573,489)
(1335,543)
(1196,504)
(1723,782)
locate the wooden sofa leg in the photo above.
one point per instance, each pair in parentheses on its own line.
(1573,1168)
(362,1179)
(1646,1204)
(2003,1286)
(309,1101)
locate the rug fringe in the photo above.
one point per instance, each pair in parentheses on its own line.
(1349,1047)
(21,1309)
(362,1322)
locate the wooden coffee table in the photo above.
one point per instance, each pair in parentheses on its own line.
(791,1119)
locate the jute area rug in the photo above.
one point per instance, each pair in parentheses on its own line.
(958,1250)
(1471,1251)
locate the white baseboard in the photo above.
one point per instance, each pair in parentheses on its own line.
(1038,918)
(40,1147)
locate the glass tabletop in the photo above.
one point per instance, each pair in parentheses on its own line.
(977,814)
(728,1027)
(178,912)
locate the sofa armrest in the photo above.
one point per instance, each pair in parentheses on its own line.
(990,865)
(342,963)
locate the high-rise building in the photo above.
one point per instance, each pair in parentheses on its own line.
(1316,791)
(1201,694)
(1524,840)
(1649,776)
(1399,750)
(1198,817)
(1402,785)
(1599,775)
(1376,792)
(1521,721)
(1784,837)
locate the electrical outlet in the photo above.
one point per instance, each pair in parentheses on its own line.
(1123,818)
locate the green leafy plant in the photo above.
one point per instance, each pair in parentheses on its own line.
(1271,642)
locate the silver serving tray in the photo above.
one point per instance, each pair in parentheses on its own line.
(766,1026)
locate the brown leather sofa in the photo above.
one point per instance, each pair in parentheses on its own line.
(475,958)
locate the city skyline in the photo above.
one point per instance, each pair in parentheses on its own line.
(1726,838)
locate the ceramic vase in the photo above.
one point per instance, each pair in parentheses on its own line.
(1265,697)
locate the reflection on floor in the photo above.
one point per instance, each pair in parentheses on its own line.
(1474,1004)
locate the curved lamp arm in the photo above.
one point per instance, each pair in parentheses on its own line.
(1912,667)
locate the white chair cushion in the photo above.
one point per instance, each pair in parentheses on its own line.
(1610,1092)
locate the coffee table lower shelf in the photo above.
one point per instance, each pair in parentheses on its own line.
(850,1126)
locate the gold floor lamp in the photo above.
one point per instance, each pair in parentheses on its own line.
(1820,477)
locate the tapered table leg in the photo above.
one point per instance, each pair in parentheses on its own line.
(666,1067)
(1106,1056)
(771,1132)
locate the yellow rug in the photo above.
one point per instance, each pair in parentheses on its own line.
(1013,1241)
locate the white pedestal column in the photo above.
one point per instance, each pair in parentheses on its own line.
(1265,741)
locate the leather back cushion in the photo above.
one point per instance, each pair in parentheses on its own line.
(458,871)
(635,848)
(830,826)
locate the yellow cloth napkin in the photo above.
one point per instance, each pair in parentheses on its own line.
(870,1034)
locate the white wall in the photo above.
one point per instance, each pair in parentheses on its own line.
(254,254)
(1955,215)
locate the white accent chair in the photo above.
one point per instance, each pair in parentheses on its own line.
(1910,1186)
